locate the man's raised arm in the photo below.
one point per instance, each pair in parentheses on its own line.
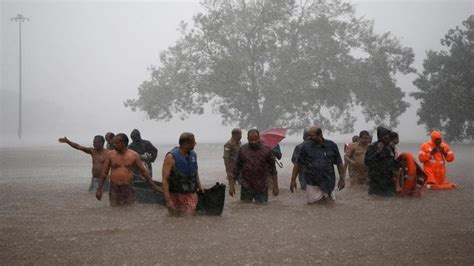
(75,145)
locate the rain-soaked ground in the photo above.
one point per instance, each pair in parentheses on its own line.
(48,217)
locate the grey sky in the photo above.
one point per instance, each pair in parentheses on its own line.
(82,59)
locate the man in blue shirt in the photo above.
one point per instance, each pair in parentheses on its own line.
(318,156)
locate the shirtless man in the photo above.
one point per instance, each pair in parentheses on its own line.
(98,154)
(121,162)
(108,138)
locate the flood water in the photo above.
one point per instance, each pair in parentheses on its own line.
(48,217)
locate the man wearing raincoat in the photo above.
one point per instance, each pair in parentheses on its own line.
(434,154)
(381,165)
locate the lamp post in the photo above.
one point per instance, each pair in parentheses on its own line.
(20,19)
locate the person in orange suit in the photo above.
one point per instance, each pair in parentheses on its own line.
(434,154)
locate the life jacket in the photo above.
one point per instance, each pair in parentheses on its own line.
(183,176)
(412,177)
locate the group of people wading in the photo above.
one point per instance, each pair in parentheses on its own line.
(252,165)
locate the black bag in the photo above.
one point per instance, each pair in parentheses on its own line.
(211,202)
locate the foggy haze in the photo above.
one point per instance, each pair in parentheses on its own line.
(82,60)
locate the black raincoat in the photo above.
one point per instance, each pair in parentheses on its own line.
(381,166)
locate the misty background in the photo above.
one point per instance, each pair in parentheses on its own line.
(83,59)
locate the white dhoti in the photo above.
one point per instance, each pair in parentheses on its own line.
(314,194)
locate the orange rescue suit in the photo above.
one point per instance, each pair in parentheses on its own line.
(435,164)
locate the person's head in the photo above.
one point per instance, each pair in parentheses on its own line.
(120,142)
(383,135)
(355,138)
(394,138)
(98,142)
(109,136)
(364,137)
(253,137)
(236,134)
(315,134)
(436,138)
(187,141)
(135,135)
(305,134)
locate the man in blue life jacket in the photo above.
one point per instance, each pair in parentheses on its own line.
(181,178)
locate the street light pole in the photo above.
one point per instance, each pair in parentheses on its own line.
(20,19)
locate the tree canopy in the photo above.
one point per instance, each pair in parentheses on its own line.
(446,86)
(279,63)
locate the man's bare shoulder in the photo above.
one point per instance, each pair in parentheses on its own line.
(112,153)
(131,154)
(353,145)
(169,157)
(99,152)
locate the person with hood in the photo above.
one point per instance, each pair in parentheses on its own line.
(434,154)
(144,148)
(294,160)
(381,164)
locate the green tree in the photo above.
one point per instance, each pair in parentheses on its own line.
(279,63)
(446,86)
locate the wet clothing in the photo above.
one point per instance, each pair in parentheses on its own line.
(254,165)
(95,184)
(315,194)
(319,161)
(184,173)
(249,195)
(120,195)
(230,150)
(230,155)
(435,165)
(358,172)
(184,202)
(294,160)
(381,166)
(145,149)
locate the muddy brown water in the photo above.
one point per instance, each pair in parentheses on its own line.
(48,217)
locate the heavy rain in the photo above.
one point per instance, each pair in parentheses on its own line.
(72,70)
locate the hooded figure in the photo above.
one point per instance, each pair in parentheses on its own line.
(381,164)
(144,148)
(434,154)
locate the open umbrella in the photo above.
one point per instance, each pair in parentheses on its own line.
(272,136)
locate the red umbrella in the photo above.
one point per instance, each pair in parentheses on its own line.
(272,136)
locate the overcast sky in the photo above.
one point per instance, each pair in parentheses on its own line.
(82,59)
